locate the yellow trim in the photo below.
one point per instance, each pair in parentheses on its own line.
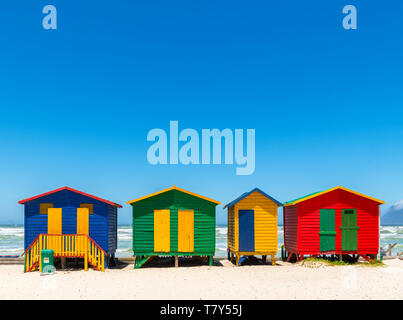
(173,188)
(332,189)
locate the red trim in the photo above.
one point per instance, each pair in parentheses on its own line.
(33,267)
(97,245)
(32,243)
(73,190)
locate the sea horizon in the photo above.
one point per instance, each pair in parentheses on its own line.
(12,239)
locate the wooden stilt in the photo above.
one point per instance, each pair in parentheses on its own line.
(289,257)
(237,260)
(176,261)
(63,260)
(340,257)
(273,260)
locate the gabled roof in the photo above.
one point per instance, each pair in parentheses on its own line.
(73,190)
(229,205)
(173,188)
(316,194)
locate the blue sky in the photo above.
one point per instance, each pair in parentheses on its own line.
(77,102)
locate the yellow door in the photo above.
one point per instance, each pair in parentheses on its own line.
(83,218)
(55,221)
(162,230)
(185,230)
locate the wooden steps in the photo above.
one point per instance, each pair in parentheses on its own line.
(65,246)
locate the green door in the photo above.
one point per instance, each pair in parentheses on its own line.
(327,231)
(349,229)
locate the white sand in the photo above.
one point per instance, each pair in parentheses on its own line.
(284,281)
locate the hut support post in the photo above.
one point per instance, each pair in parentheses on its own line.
(63,260)
(273,260)
(237,260)
(176,261)
(210,260)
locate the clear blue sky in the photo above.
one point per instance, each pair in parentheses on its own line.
(77,102)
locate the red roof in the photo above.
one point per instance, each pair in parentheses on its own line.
(73,190)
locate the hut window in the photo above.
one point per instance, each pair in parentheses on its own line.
(90,206)
(43,209)
(349,211)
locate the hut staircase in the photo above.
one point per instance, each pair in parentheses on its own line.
(142,261)
(67,246)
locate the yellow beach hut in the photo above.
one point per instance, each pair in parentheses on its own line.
(252,226)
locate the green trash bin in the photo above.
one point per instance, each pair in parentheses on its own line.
(47,261)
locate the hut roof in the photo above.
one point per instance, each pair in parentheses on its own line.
(173,188)
(316,194)
(73,190)
(229,205)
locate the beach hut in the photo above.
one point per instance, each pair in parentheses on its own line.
(337,221)
(73,224)
(173,222)
(252,226)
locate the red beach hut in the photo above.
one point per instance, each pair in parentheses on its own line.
(336,221)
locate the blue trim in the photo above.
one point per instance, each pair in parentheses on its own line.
(229,205)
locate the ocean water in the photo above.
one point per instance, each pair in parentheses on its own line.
(12,239)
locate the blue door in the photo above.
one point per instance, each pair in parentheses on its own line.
(246,230)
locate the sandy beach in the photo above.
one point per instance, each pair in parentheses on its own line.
(221,281)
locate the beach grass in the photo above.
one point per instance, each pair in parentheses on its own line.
(317,262)
(373,263)
(320,261)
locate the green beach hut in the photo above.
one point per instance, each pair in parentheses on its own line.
(173,222)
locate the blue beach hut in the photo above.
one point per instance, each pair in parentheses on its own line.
(72,223)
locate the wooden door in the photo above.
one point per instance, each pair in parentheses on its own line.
(54,220)
(327,231)
(162,230)
(83,221)
(349,229)
(246,230)
(185,230)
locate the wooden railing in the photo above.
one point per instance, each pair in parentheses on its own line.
(65,245)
